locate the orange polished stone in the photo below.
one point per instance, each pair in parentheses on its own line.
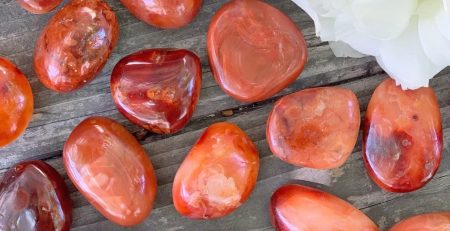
(163,13)
(315,128)
(439,221)
(157,89)
(402,137)
(218,174)
(16,102)
(111,170)
(75,44)
(39,6)
(254,50)
(296,207)
(33,196)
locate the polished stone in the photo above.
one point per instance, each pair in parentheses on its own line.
(39,6)
(439,221)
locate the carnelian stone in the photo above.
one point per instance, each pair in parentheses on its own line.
(39,6)
(402,137)
(75,44)
(296,207)
(254,50)
(439,221)
(33,196)
(16,102)
(111,170)
(162,13)
(218,174)
(157,89)
(316,127)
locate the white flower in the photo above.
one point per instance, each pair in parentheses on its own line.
(409,38)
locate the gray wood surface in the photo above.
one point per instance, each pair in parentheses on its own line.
(57,114)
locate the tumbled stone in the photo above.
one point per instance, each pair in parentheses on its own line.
(402,137)
(315,128)
(218,174)
(33,196)
(16,102)
(296,207)
(111,170)
(254,50)
(439,221)
(157,89)
(75,44)
(39,6)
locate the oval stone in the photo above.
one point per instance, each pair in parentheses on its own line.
(296,207)
(39,6)
(218,174)
(253,55)
(315,128)
(75,44)
(439,221)
(402,137)
(33,196)
(157,89)
(16,102)
(111,170)
(164,14)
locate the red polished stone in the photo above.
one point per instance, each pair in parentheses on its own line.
(316,127)
(33,196)
(75,45)
(402,137)
(296,207)
(39,6)
(162,13)
(111,170)
(254,50)
(218,174)
(426,222)
(157,89)
(16,102)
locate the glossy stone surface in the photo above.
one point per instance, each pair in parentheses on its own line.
(254,56)
(315,128)
(439,221)
(163,13)
(111,170)
(157,89)
(296,207)
(16,102)
(75,44)
(33,196)
(402,137)
(39,6)
(218,174)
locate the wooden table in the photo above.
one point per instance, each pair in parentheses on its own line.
(57,114)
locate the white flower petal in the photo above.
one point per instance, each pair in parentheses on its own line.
(382,19)
(341,49)
(305,5)
(443,23)
(435,45)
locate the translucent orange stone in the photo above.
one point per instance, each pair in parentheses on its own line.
(296,207)
(254,50)
(439,221)
(316,128)
(163,13)
(39,6)
(218,174)
(16,102)
(75,44)
(111,170)
(402,137)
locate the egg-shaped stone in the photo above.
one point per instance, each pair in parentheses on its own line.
(402,137)
(218,174)
(157,89)
(297,207)
(254,50)
(33,196)
(39,6)
(16,102)
(439,221)
(111,170)
(75,44)
(315,128)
